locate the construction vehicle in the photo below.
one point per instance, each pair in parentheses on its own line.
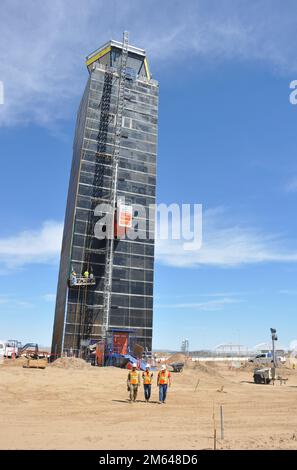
(177,366)
(266,359)
(263,376)
(2,349)
(35,363)
(12,348)
(35,359)
(31,351)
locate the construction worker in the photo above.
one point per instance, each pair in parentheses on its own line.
(163,380)
(133,382)
(147,378)
(86,274)
(73,278)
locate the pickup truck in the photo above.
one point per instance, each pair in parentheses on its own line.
(266,358)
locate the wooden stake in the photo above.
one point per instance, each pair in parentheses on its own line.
(198,381)
(222,422)
(214,429)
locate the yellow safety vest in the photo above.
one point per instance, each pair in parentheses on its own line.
(147,378)
(163,377)
(134,378)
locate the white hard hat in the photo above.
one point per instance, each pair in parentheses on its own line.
(134,364)
(147,366)
(163,367)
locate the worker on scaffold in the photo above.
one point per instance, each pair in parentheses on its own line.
(86,274)
(73,278)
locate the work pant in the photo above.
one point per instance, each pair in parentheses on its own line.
(133,392)
(162,392)
(147,391)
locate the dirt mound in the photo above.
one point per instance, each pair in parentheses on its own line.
(19,362)
(252,366)
(178,357)
(247,366)
(208,369)
(70,363)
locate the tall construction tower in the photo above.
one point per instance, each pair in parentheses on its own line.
(106,283)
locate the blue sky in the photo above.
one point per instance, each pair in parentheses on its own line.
(226,140)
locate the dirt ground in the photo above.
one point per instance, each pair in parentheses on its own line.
(87,408)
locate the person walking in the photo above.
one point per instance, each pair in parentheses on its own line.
(163,380)
(133,382)
(147,377)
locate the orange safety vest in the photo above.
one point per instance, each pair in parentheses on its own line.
(163,377)
(134,378)
(147,378)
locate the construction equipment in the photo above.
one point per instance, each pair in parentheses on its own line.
(31,351)
(35,359)
(12,348)
(267,374)
(35,363)
(81,281)
(177,366)
(263,376)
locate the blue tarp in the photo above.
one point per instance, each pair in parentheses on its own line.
(133,359)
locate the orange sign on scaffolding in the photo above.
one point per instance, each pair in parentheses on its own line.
(123,220)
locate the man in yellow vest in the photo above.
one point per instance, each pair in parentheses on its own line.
(147,378)
(133,382)
(164,379)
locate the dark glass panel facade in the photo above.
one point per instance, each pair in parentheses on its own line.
(90,184)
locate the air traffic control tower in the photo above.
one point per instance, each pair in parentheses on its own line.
(108,283)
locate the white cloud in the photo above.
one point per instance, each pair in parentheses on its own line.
(32,246)
(225,244)
(43,44)
(209,305)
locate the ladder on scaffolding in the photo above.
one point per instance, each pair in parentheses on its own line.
(113,193)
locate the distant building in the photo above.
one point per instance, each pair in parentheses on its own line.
(185,346)
(114,161)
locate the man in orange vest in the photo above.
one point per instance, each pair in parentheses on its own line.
(133,382)
(164,379)
(147,378)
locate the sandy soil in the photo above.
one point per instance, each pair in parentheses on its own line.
(87,408)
